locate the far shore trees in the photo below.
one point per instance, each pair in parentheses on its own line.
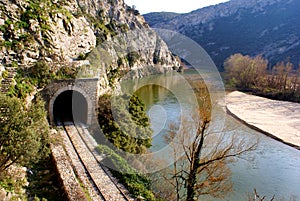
(246,72)
(251,74)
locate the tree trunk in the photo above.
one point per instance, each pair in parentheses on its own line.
(191,182)
(195,163)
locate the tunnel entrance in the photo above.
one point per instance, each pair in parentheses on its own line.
(71,106)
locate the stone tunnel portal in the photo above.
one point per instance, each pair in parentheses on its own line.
(71,106)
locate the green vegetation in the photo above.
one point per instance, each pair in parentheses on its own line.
(132,10)
(251,74)
(14,183)
(104,30)
(157,60)
(66,72)
(132,57)
(82,56)
(125,125)
(24,142)
(137,184)
(113,75)
(138,112)
(24,136)
(38,76)
(23,133)
(36,11)
(22,88)
(10,42)
(43,182)
(4,74)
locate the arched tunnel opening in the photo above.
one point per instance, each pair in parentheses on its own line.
(70,106)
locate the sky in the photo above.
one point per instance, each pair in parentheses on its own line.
(177,6)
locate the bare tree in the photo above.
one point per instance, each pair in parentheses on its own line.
(295,81)
(257,197)
(246,72)
(203,170)
(280,77)
(201,156)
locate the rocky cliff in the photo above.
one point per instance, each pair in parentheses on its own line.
(61,32)
(267,27)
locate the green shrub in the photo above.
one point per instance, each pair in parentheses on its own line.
(41,74)
(23,25)
(4,74)
(157,59)
(82,56)
(23,87)
(113,75)
(23,132)
(133,57)
(67,72)
(8,44)
(127,127)
(137,184)
(2,28)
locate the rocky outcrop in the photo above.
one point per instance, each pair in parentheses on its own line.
(31,32)
(16,175)
(62,32)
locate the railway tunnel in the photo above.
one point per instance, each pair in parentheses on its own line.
(70,105)
(72,100)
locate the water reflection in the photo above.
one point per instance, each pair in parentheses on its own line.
(273,168)
(163,109)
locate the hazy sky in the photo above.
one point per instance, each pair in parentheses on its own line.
(178,6)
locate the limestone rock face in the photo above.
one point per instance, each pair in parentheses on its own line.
(50,31)
(60,32)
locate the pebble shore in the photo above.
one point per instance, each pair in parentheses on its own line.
(277,119)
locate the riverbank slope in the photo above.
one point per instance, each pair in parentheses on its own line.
(277,119)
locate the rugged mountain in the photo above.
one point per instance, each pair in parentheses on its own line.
(159,17)
(267,27)
(62,32)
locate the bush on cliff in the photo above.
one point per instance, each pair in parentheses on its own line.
(23,132)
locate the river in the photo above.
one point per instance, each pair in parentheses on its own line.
(273,168)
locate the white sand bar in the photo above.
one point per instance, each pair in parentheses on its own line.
(278,119)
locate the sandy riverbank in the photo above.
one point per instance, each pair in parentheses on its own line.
(277,119)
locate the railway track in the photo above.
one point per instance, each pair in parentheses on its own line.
(94,176)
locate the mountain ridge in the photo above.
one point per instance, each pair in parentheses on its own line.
(266,27)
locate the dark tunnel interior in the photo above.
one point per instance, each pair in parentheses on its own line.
(70,106)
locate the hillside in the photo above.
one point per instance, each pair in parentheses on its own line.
(61,33)
(159,17)
(267,27)
(42,42)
